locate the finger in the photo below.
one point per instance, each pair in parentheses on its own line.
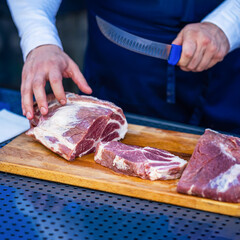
(211,56)
(74,73)
(211,63)
(23,90)
(39,82)
(196,59)
(55,79)
(188,50)
(179,39)
(27,97)
(205,61)
(185,69)
(220,54)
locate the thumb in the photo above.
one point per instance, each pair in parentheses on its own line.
(179,39)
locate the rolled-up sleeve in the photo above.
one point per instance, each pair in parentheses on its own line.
(227,18)
(35,21)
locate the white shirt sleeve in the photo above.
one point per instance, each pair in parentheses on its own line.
(35,20)
(227,17)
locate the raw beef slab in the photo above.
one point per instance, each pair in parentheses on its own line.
(214,168)
(75,129)
(147,163)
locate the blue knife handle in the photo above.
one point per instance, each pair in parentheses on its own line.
(175,54)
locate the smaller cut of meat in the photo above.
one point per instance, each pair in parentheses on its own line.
(75,129)
(147,163)
(214,168)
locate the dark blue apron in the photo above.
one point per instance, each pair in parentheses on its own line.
(138,83)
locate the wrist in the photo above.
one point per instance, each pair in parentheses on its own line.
(44,47)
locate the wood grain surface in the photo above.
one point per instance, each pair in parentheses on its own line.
(25,156)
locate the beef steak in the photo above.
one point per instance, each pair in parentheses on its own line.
(75,129)
(214,168)
(147,163)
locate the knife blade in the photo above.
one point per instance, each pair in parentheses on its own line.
(169,52)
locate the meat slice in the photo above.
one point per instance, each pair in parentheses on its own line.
(75,129)
(147,163)
(214,168)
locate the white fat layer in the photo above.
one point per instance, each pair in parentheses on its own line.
(158,172)
(123,128)
(121,131)
(40,135)
(173,159)
(54,102)
(164,152)
(98,155)
(61,121)
(170,156)
(155,174)
(73,95)
(93,104)
(190,190)
(225,180)
(120,163)
(211,130)
(225,151)
(65,118)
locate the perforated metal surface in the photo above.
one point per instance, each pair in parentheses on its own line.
(35,209)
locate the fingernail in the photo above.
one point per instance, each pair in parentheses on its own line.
(62,101)
(24,112)
(28,115)
(89,89)
(43,110)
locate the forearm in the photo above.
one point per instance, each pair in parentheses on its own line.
(227,18)
(35,20)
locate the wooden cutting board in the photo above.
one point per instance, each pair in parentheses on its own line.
(26,157)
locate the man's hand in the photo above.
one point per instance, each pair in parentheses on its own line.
(203,45)
(48,63)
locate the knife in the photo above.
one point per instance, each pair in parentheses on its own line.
(169,52)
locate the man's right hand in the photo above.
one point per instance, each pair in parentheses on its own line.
(48,63)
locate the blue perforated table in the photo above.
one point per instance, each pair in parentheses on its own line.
(36,209)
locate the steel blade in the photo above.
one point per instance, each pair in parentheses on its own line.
(133,42)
